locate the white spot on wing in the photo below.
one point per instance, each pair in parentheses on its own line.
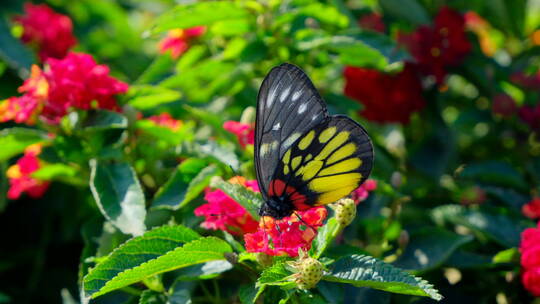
(296,95)
(289,141)
(284,94)
(302,108)
(314,116)
(276,127)
(271,98)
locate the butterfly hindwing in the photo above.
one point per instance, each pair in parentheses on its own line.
(325,164)
(288,105)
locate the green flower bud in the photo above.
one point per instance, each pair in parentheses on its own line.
(344,210)
(309,271)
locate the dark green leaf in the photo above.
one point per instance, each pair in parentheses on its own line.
(118,195)
(204,271)
(408,10)
(429,248)
(104,120)
(365,271)
(14,140)
(496,173)
(13,51)
(152,297)
(248,293)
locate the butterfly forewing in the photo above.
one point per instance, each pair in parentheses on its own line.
(288,105)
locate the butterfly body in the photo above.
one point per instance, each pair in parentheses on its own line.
(304,157)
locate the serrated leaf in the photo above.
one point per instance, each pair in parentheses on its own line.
(429,248)
(187,182)
(276,275)
(500,228)
(248,199)
(119,195)
(201,13)
(144,97)
(118,270)
(366,271)
(14,140)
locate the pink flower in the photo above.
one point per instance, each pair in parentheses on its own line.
(504,105)
(20,179)
(362,192)
(532,208)
(286,236)
(51,33)
(166,120)
(372,21)
(530,259)
(244,132)
(223,213)
(531,115)
(178,40)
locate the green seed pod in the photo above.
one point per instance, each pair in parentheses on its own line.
(345,211)
(309,271)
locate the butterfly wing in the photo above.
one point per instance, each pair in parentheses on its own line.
(288,106)
(327,163)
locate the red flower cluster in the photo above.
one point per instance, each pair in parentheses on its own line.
(532,208)
(177,40)
(372,21)
(439,46)
(286,236)
(386,97)
(51,33)
(20,175)
(530,259)
(223,213)
(166,120)
(245,132)
(531,116)
(362,192)
(73,82)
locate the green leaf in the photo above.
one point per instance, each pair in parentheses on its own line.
(14,140)
(155,252)
(408,10)
(204,271)
(365,271)
(248,293)
(429,248)
(104,120)
(500,228)
(325,236)
(152,297)
(276,275)
(119,195)
(13,51)
(244,196)
(144,97)
(509,255)
(201,13)
(187,182)
(160,67)
(462,259)
(170,137)
(496,173)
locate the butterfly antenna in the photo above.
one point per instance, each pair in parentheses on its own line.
(279,231)
(304,222)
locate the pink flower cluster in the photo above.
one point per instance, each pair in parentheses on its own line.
(76,81)
(243,131)
(51,33)
(532,208)
(362,192)
(20,175)
(178,41)
(530,259)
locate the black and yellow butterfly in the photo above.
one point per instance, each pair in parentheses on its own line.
(303,156)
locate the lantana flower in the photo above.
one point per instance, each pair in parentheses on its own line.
(532,208)
(178,41)
(76,81)
(386,98)
(166,120)
(530,259)
(50,32)
(243,131)
(223,213)
(288,235)
(20,175)
(440,46)
(361,193)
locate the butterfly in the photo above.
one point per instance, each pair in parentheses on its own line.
(303,156)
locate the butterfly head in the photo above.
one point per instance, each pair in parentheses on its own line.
(276,208)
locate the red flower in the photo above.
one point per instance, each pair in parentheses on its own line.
(177,40)
(531,116)
(386,97)
(532,208)
(531,82)
(372,21)
(362,192)
(442,45)
(50,32)
(530,259)
(20,179)
(166,120)
(504,105)
(223,213)
(244,132)
(286,236)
